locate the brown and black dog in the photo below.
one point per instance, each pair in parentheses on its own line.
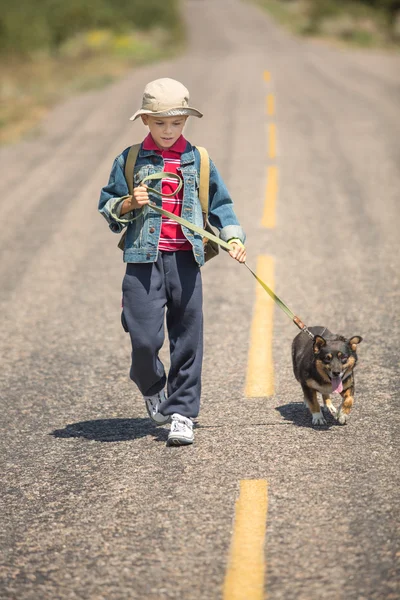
(325,364)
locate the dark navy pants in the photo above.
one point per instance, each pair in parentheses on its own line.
(171,287)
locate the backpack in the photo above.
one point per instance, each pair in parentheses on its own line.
(211,249)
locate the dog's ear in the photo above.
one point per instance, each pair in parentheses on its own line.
(319,343)
(356,339)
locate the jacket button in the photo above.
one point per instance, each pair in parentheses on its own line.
(152,230)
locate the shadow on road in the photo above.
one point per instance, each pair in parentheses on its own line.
(112,430)
(300,416)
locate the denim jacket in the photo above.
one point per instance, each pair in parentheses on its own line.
(144,224)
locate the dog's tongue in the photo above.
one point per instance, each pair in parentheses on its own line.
(337,385)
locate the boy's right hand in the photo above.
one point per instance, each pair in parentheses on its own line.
(139,198)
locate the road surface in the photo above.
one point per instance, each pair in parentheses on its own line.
(94,505)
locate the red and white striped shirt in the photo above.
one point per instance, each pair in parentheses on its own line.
(171,237)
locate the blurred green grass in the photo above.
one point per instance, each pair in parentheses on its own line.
(357,23)
(52,49)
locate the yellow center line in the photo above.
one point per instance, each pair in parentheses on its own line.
(269,215)
(270,104)
(272,140)
(267,76)
(244,579)
(260,370)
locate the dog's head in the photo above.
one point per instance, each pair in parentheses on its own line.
(335,358)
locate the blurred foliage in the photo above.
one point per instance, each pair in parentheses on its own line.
(385,10)
(31,26)
(52,49)
(359,22)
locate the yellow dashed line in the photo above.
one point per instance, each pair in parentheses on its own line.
(260,370)
(245,575)
(272,140)
(269,215)
(270,104)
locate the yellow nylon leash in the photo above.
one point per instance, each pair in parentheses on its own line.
(281,304)
(296,320)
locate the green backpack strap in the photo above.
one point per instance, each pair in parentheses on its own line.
(211,245)
(204,179)
(130,165)
(128,172)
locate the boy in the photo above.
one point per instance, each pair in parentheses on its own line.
(164,259)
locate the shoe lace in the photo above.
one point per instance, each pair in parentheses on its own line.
(178,424)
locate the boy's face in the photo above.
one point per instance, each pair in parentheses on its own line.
(164,130)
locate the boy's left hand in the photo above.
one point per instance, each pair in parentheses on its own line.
(238,251)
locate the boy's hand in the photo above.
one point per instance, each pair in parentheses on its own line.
(238,251)
(139,198)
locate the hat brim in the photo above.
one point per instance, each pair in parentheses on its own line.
(172,112)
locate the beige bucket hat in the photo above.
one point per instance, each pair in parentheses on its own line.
(166,98)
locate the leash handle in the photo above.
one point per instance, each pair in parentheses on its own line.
(163,175)
(180,220)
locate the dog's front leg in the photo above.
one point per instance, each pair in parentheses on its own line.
(311,401)
(346,406)
(328,404)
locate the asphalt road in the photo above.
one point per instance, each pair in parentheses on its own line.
(93,503)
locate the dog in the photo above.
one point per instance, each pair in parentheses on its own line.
(325,364)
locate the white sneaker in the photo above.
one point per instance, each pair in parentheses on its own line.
(181,433)
(153,405)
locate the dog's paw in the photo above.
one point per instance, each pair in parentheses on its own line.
(318,419)
(342,417)
(331,409)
